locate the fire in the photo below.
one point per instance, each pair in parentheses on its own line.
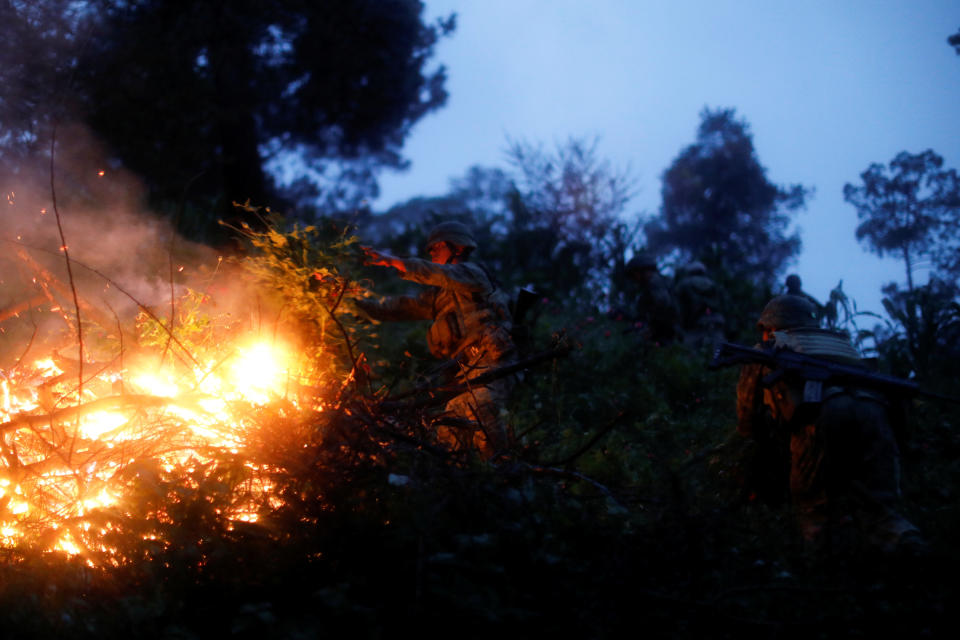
(61,458)
(257,370)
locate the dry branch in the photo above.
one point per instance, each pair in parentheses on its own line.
(54,283)
(20,307)
(110,403)
(440,394)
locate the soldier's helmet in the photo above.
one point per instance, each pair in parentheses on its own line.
(640,262)
(788,312)
(794,285)
(455,233)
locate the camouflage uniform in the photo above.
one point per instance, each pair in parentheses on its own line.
(699,303)
(842,446)
(656,306)
(471,326)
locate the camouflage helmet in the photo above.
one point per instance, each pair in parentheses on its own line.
(640,262)
(455,233)
(788,312)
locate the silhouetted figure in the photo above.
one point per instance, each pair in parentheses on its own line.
(471,328)
(844,466)
(699,300)
(795,288)
(657,313)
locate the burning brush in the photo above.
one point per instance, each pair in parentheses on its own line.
(174,394)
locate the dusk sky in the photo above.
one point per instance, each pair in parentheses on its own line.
(827,87)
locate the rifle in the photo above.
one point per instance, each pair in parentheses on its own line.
(814,370)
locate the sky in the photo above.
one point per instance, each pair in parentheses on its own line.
(827,87)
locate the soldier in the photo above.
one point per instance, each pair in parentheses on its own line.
(795,288)
(656,307)
(842,445)
(470,326)
(699,302)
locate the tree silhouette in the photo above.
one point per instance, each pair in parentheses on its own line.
(910,210)
(567,219)
(196,98)
(719,207)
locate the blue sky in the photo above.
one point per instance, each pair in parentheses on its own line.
(828,87)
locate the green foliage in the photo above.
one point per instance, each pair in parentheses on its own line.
(920,335)
(623,500)
(192,325)
(308,274)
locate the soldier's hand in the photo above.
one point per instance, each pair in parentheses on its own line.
(372,257)
(380,258)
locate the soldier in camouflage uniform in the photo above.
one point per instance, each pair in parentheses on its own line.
(656,307)
(842,446)
(699,301)
(470,326)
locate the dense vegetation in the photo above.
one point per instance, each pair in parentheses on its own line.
(626,503)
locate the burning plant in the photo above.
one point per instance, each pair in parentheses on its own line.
(93,416)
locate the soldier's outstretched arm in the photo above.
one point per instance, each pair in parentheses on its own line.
(373,257)
(398,308)
(463,276)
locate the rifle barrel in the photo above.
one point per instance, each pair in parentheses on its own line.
(815,368)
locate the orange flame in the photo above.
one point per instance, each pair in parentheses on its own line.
(209,407)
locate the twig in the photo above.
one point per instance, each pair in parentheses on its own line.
(47,281)
(589,443)
(20,307)
(564,473)
(26,349)
(173,238)
(139,304)
(439,395)
(66,251)
(343,331)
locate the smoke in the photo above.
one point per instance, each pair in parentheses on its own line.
(122,256)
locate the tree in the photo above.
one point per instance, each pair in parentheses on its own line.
(719,207)
(478,199)
(567,227)
(910,210)
(197,97)
(34,58)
